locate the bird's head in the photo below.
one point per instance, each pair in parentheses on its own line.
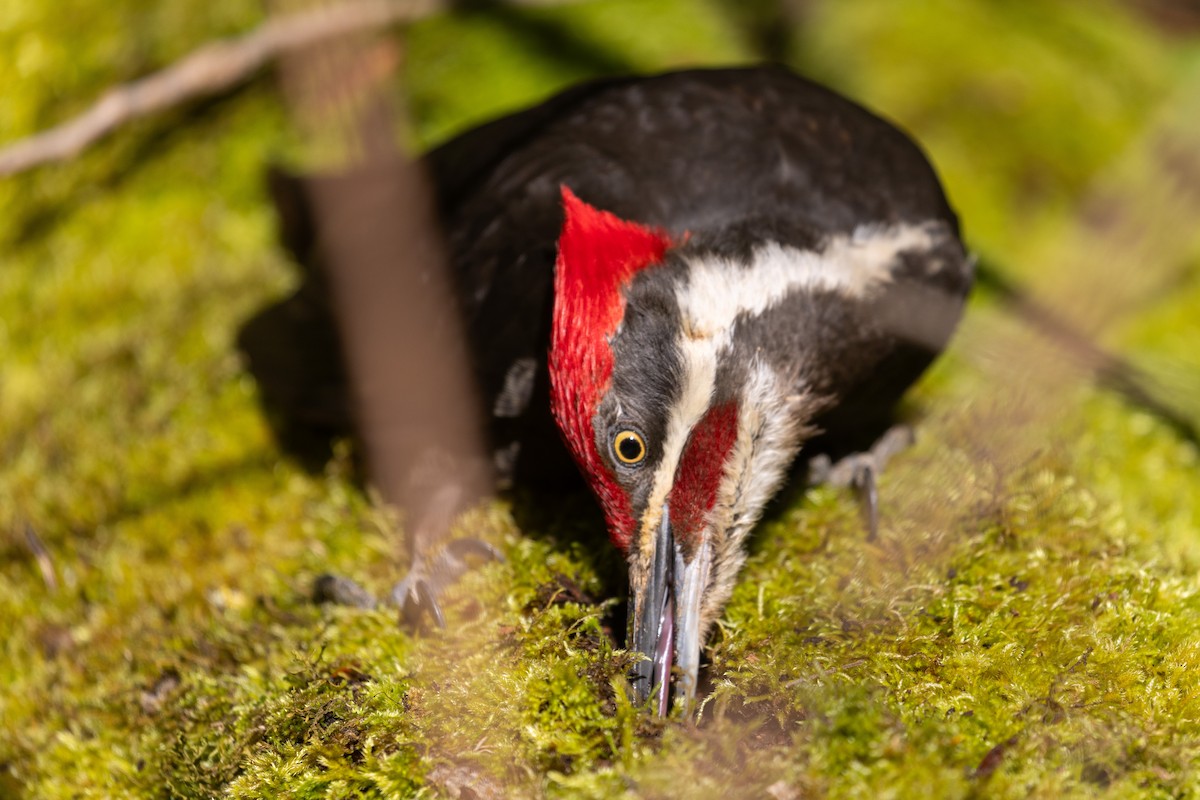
(681,428)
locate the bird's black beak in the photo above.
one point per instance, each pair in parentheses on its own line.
(664,621)
(652,620)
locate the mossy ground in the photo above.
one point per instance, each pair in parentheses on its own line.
(1027,624)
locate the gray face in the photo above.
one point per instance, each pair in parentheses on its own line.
(646,381)
(670,371)
(714,432)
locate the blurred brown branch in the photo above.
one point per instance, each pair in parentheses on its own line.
(387,267)
(212,68)
(388,272)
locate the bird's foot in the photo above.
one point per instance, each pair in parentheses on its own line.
(417,595)
(860,471)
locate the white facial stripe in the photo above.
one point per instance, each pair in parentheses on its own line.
(718,290)
(699,362)
(773,421)
(770,427)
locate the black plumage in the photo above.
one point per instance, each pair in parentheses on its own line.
(731,157)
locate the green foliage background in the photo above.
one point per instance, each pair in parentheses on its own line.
(1045,644)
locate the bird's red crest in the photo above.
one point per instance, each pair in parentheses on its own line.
(598,254)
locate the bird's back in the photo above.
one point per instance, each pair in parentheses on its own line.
(728,157)
(732,157)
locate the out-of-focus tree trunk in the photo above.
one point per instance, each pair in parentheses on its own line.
(381,247)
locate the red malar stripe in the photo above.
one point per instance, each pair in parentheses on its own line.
(701,467)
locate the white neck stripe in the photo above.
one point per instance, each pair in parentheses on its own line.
(719,290)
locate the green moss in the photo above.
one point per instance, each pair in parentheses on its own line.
(1025,624)
(1020,104)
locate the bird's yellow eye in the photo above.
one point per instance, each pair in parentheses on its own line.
(629,447)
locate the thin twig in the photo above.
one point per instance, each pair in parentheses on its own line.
(212,68)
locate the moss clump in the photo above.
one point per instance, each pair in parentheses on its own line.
(1025,625)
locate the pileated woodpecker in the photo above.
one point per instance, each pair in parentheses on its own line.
(684,278)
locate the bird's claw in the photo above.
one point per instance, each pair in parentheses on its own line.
(860,472)
(866,488)
(417,594)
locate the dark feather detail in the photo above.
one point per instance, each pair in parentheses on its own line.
(727,157)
